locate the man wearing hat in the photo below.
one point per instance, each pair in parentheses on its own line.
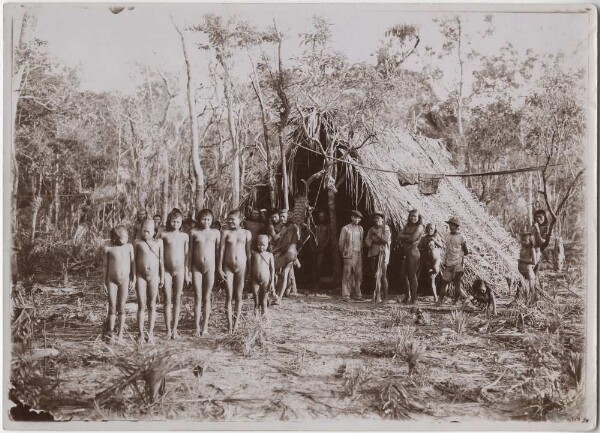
(452,268)
(350,245)
(378,240)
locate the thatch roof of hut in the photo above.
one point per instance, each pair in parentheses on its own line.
(493,250)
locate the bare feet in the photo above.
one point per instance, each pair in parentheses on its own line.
(198,333)
(204,332)
(151,339)
(168,335)
(175,335)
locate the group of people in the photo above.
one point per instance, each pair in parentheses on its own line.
(262,255)
(169,258)
(422,255)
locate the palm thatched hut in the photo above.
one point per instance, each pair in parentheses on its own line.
(386,171)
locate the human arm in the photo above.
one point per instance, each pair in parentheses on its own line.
(161,264)
(410,238)
(132,267)
(221,255)
(342,240)
(105,269)
(271,272)
(186,250)
(465,250)
(368,238)
(248,252)
(385,238)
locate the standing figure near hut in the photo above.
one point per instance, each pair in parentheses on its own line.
(177,271)
(119,276)
(378,240)
(539,229)
(158,227)
(204,246)
(320,244)
(262,274)
(409,238)
(452,268)
(254,226)
(273,229)
(431,258)
(263,219)
(142,216)
(286,255)
(234,261)
(150,273)
(289,241)
(350,246)
(528,258)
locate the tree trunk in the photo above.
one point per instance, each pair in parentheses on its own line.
(235,163)
(199,173)
(283,119)
(333,227)
(530,199)
(35,206)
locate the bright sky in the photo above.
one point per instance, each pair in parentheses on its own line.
(108,49)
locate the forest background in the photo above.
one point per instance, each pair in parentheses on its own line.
(146,107)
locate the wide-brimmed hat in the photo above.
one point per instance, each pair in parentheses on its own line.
(454,220)
(356,213)
(378,213)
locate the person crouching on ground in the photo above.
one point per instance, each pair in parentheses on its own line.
(350,246)
(409,239)
(263,274)
(119,277)
(452,268)
(377,241)
(150,273)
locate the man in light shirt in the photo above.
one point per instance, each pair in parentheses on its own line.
(350,245)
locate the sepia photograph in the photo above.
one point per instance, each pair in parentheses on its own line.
(300,216)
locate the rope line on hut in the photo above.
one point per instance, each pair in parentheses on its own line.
(487,173)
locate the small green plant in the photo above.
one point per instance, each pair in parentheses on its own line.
(459,322)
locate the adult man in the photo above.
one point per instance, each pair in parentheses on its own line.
(409,239)
(350,246)
(255,227)
(284,242)
(142,216)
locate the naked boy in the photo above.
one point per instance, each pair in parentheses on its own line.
(263,274)
(234,259)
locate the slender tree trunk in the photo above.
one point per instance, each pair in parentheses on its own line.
(165,185)
(235,163)
(199,173)
(56,197)
(530,198)
(35,206)
(283,119)
(333,228)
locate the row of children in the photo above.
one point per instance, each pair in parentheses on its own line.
(421,248)
(169,259)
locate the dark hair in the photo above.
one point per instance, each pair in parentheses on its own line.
(173,214)
(115,232)
(235,213)
(206,212)
(541,212)
(157,216)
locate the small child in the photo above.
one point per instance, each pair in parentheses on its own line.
(432,265)
(119,276)
(262,274)
(528,259)
(150,274)
(431,233)
(204,247)
(158,227)
(452,269)
(176,248)
(234,261)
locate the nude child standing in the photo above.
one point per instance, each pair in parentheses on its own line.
(119,276)
(234,259)
(176,246)
(204,246)
(262,273)
(149,266)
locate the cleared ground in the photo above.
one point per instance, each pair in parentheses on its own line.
(316,357)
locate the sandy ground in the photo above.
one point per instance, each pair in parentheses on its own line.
(323,360)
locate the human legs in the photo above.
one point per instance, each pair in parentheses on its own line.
(112,307)
(197,282)
(238,289)
(263,290)
(357,265)
(229,285)
(152,288)
(412,269)
(255,288)
(121,300)
(178,281)
(346,277)
(283,280)
(167,299)
(208,282)
(140,290)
